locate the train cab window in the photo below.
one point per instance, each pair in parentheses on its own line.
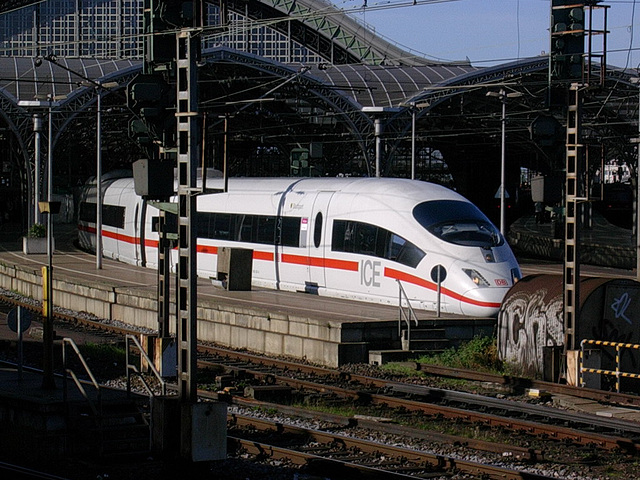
(460,223)
(317,230)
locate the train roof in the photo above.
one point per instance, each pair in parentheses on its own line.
(415,189)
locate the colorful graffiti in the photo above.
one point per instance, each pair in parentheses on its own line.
(528,322)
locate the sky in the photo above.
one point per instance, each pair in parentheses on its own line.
(490,32)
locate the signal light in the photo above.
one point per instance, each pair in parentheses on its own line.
(567,39)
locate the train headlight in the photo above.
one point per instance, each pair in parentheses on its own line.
(476,277)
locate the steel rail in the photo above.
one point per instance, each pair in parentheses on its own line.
(520,453)
(399,459)
(556,432)
(517,383)
(527,409)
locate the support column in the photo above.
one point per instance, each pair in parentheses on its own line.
(575,195)
(186,290)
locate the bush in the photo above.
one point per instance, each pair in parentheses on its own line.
(37,230)
(480,353)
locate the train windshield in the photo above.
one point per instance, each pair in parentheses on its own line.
(457,222)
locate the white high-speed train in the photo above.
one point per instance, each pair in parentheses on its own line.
(353,238)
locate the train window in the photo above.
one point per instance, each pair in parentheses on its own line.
(221,226)
(265,229)
(246,231)
(410,255)
(395,245)
(112,215)
(456,222)
(248,228)
(290,232)
(87,212)
(317,230)
(367,239)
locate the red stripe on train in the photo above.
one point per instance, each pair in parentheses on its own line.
(421,282)
(320,262)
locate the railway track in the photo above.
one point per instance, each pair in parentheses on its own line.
(324,452)
(540,421)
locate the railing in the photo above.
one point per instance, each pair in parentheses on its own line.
(68,342)
(405,314)
(132,369)
(618,373)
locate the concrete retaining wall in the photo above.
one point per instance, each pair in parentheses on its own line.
(320,341)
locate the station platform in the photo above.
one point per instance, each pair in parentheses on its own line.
(602,243)
(321,330)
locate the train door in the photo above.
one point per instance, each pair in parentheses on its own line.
(318,241)
(292,232)
(136,235)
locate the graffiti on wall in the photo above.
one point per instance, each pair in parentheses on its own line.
(528,323)
(621,320)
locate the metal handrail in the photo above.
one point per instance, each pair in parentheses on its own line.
(68,341)
(617,372)
(407,315)
(134,369)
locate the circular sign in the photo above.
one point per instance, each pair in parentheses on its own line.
(25,319)
(438,271)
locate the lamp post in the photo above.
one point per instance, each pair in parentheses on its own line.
(99,182)
(502,95)
(37,130)
(414,107)
(100,87)
(377,113)
(48,381)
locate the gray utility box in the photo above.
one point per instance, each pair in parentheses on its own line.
(235,267)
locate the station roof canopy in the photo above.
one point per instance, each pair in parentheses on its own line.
(24,79)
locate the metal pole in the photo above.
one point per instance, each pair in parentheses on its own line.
(99,183)
(503,99)
(638,193)
(439,291)
(413,142)
(378,133)
(20,349)
(48,381)
(50,179)
(224,154)
(37,128)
